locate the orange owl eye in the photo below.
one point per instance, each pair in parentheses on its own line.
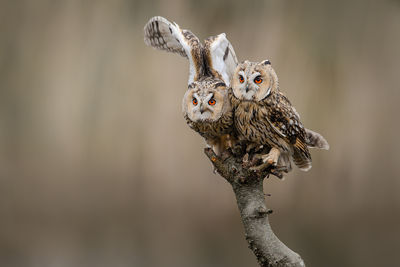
(258,80)
(194,101)
(241,79)
(212,102)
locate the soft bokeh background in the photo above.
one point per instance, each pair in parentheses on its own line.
(97,165)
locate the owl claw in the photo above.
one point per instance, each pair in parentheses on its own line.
(270,159)
(260,167)
(254,146)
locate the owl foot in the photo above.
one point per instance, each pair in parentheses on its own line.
(251,160)
(278,171)
(270,159)
(254,146)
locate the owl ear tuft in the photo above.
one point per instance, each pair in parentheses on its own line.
(266,62)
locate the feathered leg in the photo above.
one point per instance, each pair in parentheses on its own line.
(270,159)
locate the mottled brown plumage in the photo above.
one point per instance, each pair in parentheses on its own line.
(207,110)
(206,106)
(264,116)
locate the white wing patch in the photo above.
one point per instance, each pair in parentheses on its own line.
(222,56)
(164,35)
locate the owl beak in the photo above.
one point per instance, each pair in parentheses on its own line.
(202,108)
(247,89)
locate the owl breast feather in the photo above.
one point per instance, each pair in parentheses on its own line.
(215,129)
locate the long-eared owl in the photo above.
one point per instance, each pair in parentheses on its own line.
(264,116)
(205,105)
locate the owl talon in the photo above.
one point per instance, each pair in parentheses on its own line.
(279,170)
(277,173)
(260,167)
(270,159)
(255,147)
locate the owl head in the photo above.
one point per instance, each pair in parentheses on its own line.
(254,81)
(206,100)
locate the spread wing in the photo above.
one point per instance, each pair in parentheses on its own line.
(285,120)
(221,57)
(164,35)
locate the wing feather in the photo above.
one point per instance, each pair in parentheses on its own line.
(285,121)
(164,35)
(221,57)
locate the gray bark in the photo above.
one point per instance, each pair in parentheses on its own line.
(248,189)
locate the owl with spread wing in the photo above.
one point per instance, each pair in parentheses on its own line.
(205,105)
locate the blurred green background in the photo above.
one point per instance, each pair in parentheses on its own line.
(98,167)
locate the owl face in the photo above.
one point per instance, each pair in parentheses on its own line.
(206,100)
(254,81)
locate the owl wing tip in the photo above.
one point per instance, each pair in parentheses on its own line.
(162,34)
(305,168)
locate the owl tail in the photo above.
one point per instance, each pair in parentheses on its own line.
(314,139)
(301,156)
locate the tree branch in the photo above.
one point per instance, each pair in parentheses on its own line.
(248,189)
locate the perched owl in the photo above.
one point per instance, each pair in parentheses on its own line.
(265,116)
(207,110)
(206,106)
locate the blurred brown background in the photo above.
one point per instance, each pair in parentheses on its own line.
(98,167)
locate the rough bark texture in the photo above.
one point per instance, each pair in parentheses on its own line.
(248,189)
